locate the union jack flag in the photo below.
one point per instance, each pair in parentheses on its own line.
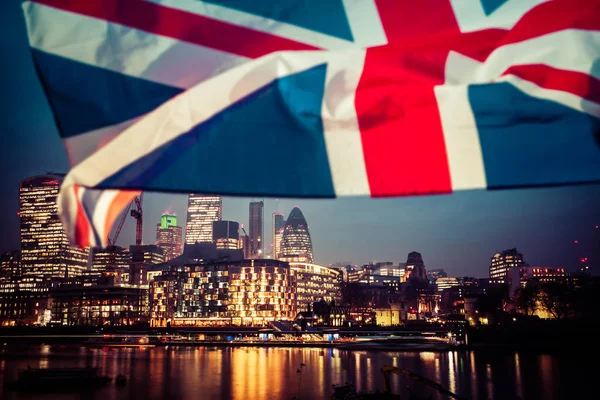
(315,98)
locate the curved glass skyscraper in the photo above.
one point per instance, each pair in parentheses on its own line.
(296,245)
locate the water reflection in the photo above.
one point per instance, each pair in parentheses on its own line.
(271,373)
(518,376)
(452,371)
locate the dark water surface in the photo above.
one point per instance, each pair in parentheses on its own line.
(271,373)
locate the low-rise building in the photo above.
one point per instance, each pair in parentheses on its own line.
(247,292)
(393,314)
(99,302)
(25,300)
(446,283)
(315,283)
(329,314)
(542,274)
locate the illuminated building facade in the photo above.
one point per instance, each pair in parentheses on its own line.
(315,283)
(141,258)
(25,301)
(168,236)
(226,235)
(244,244)
(45,249)
(202,211)
(255,225)
(147,253)
(111,257)
(296,245)
(392,283)
(434,274)
(10,263)
(390,270)
(446,283)
(355,274)
(188,293)
(261,291)
(277,227)
(248,292)
(542,274)
(393,314)
(502,263)
(98,304)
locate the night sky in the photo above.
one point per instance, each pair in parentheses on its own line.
(458,232)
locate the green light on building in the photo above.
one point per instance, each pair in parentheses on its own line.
(167,220)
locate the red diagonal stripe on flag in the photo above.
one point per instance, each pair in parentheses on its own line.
(577,83)
(181,25)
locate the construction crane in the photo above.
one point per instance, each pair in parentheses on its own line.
(138,214)
(135,210)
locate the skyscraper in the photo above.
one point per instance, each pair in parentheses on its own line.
(256,229)
(168,236)
(278,225)
(296,245)
(202,211)
(226,235)
(45,249)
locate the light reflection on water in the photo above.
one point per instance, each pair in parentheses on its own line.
(271,373)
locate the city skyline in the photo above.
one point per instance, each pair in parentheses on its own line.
(480,270)
(457,232)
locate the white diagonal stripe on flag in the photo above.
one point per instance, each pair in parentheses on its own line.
(122,49)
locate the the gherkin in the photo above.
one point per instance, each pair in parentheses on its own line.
(296,244)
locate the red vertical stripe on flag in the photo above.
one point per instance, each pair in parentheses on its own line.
(400,125)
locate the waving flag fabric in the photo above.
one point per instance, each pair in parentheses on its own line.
(315,98)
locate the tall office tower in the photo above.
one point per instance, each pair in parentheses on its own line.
(202,211)
(296,245)
(277,226)
(45,249)
(256,229)
(226,235)
(502,263)
(168,236)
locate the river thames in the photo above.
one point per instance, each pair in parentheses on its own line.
(272,373)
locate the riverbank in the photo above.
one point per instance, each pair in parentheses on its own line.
(6,343)
(543,336)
